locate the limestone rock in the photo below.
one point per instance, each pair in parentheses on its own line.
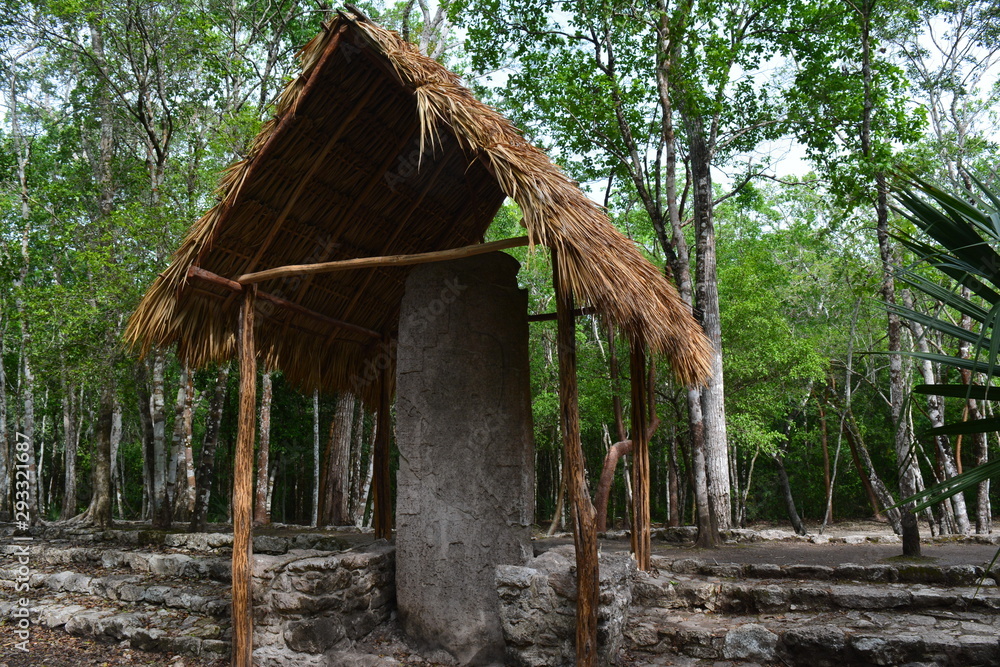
(538,603)
(750,641)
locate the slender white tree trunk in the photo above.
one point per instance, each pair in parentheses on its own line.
(261,516)
(69,451)
(116,438)
(159,501)
(315,495)
(5,458)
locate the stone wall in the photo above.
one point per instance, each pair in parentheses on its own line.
(307,605)
(538,608)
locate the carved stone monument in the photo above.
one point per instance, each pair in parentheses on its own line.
(463,426)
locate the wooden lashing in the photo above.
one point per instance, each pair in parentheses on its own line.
(640,458)
(243,486)
(584,515)
(382,482)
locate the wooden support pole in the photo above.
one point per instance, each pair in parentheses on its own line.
(584,515)
(376,262)
(243,487)
(640,458)
(383,482)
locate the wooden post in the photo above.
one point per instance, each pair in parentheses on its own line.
(383,482)
(584,515)
(243,487)
(640,458)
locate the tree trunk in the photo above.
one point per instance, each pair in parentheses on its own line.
(827,479)
(69,451)
(673,485)
(199,517)
(707,298)
(99,512)
(326,479)
(786,491)
(117,479)
(877,492)
(184,478)
(935,414)
(708,532)
(176,457)
(315,498)
(159,500)
(146,428)
(909,472)
(357,445)
(25,444)
(557,515)
(366,486)
(26,441)
(340,461)
(984,519)
(260,513)
(382,506)
(190,485)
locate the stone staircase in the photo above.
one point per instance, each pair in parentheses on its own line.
(690,612)
(167,601)
(170,592)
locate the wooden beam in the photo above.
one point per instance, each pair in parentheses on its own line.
(242,605)
(640,458)
(383,482)
(209,277)
(584,515)
(376,262)
(548,317)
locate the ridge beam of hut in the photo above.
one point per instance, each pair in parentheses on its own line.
(584,514)
(379,262)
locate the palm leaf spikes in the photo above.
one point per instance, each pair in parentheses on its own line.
(967,233)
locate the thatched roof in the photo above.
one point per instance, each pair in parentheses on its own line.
(376,149)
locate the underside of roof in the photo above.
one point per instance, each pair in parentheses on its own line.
(377,150)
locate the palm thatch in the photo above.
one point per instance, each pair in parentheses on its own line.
(376,149)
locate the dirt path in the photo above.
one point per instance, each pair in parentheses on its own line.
(787,553)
